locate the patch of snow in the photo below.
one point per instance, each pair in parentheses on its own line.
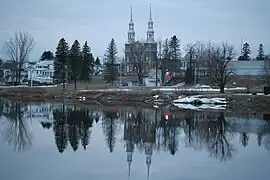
(199,89)
(81,98)
(156,96)
(197,99)
(179,85)
(46,86)
(105,90)
(202,86)
(201,107)
(156,106)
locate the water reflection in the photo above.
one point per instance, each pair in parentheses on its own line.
(16,134)
(146,130)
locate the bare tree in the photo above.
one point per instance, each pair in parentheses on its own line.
(191,53)
(17,48)
(137,59)
(220,58)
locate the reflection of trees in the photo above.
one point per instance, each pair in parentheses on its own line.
(17,133)
(109,125)
(72,125)
(60,129)
(1,107)
(218,145)
(168,131)
(73,121)
(264,136)
(244,138)
(46,125)
(85,130)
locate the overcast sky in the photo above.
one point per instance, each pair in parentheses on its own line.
(97,21)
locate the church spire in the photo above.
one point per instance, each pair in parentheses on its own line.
(150,13)
(131,31)
(150,30)
(131,18)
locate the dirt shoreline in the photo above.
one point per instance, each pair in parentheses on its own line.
(236,103)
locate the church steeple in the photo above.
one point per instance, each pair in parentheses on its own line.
(131,31)
(148,156)
(150,30)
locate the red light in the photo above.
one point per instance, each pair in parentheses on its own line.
(168,74)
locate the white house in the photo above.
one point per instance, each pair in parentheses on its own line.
(41,72)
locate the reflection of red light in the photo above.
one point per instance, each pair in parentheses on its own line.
(167,116)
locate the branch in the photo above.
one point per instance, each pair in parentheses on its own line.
(18,47)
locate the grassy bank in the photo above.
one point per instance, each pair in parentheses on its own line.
(236,102)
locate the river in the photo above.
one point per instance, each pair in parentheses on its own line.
(53,141)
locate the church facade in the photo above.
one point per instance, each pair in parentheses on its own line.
(149,47)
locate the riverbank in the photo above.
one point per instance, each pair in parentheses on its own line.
(112,97)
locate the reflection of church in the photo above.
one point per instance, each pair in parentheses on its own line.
(139,132)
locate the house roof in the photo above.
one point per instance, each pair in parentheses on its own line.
(44,63)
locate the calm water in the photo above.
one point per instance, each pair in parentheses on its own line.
(56,141)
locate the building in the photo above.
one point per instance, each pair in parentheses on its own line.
(150,47)
(41,72)
(9,73)
(244,68)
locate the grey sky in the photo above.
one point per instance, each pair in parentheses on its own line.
(99,21)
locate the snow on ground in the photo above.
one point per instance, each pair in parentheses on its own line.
(179,85)
(199,100)
(199,89)
(201,107)
(105,90)
(156,96)
(46,86)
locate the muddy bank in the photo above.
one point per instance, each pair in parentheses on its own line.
(246,103)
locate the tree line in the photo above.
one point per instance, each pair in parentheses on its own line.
(77,63)
(74,63)
(245,53)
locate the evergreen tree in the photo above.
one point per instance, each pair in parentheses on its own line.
(73,129)
(260,53)
(61,62)
(47,55)
(246,51)
(75,62)
(111,69)
(88,63)
(174,49)
(109,126)
(97,66)
(87,123)
(60,130)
